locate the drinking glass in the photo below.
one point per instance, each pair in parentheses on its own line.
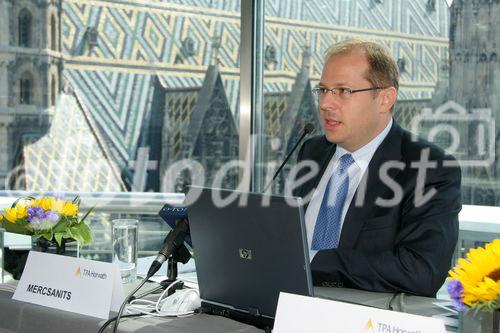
(125,235)
(1,254)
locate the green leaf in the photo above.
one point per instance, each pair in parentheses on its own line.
(15,228)
(15,203)
(61,225)
(47,234)
(76,200)
(21,198)
(75,234)
(87,214)
(58,237)
(84,232)
(68,234)
(492,305)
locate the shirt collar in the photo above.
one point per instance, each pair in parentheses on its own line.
(363,155)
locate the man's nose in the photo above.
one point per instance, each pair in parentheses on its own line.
(329,101)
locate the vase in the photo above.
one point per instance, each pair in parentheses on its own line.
(69,247)
(473,321)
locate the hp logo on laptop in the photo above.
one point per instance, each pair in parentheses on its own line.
(245,254)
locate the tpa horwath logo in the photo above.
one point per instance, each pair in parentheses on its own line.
(368,326)
(90,274)
(78,272)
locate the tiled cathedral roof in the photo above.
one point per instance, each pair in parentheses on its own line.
(70,157)
(140,40)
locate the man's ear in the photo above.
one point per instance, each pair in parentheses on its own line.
(388,98)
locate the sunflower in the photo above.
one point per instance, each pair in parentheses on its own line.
(66,208)
(15,213)
(45,202)
(479,275)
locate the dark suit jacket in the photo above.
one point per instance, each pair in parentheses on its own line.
(406,247)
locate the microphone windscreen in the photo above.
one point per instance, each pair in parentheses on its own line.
(172,214)
(308,128)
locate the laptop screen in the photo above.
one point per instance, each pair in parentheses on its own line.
(248,250)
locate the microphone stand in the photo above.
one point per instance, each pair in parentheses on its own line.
(172,269)
(307,129)
(162,286)
(179,255)
(172,276)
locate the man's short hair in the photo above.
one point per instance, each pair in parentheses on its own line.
(383,72)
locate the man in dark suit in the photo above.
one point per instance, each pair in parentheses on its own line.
(383,209)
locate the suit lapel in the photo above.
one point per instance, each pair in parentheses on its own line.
(323,159)
(389,150)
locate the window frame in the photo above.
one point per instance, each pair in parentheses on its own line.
(25,27)
(251,95)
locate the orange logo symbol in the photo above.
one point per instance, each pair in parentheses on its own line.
(368,326)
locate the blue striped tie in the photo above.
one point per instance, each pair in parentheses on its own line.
(327,229)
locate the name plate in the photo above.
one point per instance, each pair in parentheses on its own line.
(308,314)
(82,286)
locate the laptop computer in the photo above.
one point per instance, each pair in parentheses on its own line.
(246,254)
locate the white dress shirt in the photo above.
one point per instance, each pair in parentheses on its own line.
(362,158)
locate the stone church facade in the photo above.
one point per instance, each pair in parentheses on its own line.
(30,73)
(475,85)
(141,75)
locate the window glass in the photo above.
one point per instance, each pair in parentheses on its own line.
(137,87)
(447,56)
(53,31)
(447,59)
(24,27)
(25,88)
(119,96)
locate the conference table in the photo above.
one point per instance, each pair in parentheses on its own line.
(21,317)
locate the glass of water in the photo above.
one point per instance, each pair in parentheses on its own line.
(125,236)
(1,254)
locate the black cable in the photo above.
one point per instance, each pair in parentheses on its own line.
(146,293)
(163,284)
(127,299)
(109,321)
(175,236)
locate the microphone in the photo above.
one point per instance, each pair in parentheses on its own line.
(171,214)
(173,242)
(308,128)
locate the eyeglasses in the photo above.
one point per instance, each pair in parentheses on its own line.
(341,91)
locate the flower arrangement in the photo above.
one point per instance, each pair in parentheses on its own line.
(48,217)
(475,281)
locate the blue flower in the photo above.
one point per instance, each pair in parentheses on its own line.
(455,289)
(34,214)
(458,304)
(50,216)
(44,220)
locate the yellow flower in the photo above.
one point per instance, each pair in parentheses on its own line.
(66,208)
(69,209)
(45,202)
(15,213)
(57,205)
(479,274)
